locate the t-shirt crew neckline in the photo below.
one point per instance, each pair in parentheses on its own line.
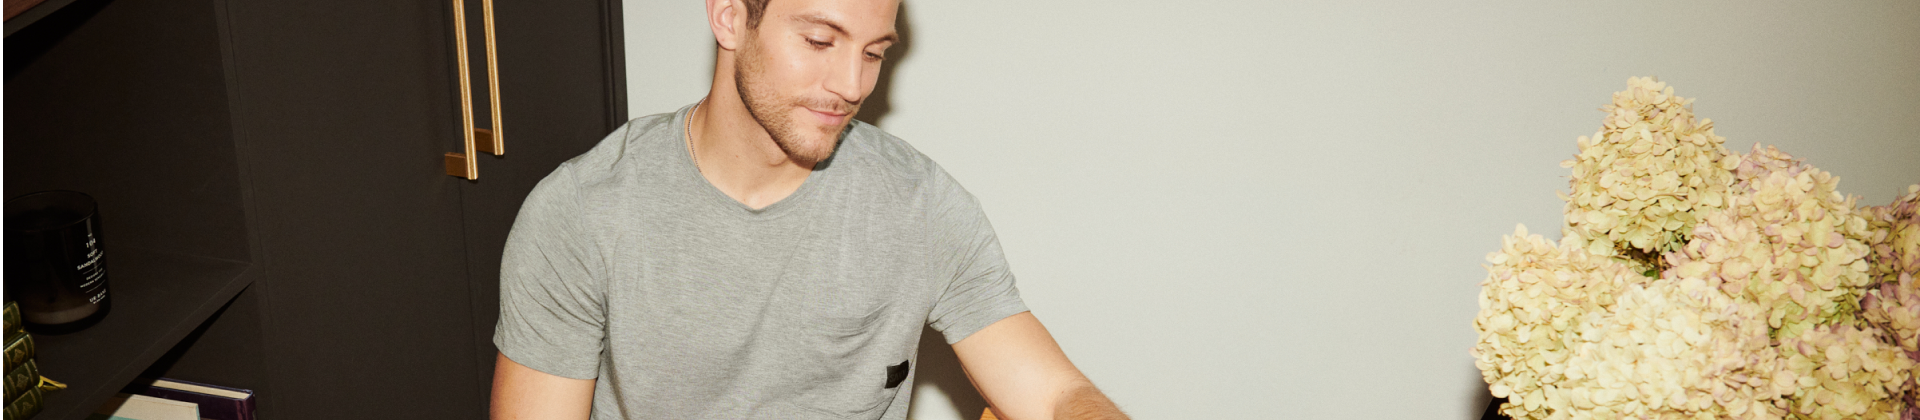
(690,171)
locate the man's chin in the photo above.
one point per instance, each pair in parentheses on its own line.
(810,156)
(812,150)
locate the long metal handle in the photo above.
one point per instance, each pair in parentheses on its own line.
(466,165)
(492,141)
(463,165)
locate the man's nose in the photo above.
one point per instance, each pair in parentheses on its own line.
(844,79)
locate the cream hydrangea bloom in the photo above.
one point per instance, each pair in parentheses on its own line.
(1640,182)
(1535,293)
(1675,349)
(1798,244)
(1894,261)
(1893,232)
(1789,244)
(1895,309)
(1893,237)
(1847,373)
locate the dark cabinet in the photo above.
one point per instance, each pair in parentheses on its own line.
(271,177)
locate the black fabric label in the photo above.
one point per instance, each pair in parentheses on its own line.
(896,374)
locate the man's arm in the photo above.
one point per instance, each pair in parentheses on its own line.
(1024,376)
(522,393)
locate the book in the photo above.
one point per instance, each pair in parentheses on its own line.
(19,351)
(27,405)
(141,407)
(14,327)
(21,378)
(216,402)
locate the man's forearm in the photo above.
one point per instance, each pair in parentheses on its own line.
(522,393)
(1085,402)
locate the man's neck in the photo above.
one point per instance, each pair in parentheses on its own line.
(736,154)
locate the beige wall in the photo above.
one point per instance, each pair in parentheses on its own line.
(1259,209)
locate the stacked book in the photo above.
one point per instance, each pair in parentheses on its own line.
(170,399)
(26,389)
(141,407)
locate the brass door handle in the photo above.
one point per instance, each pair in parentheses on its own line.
(464,164)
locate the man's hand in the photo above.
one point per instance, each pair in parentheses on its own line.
(521,393)
(1024,376)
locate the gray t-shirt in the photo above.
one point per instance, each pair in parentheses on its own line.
(625,265)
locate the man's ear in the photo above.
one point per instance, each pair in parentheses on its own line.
(727,17)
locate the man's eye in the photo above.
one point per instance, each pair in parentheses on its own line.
(875,57)
(818,43)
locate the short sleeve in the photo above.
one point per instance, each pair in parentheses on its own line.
(980,289)
(552,294)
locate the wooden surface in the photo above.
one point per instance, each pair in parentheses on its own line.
(14,7)
(23,13)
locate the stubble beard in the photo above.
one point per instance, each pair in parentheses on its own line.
(768,108)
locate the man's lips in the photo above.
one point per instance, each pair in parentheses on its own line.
(828,118)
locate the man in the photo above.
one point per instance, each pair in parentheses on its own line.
(759,254)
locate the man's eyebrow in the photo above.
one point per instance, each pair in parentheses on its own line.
(891,37)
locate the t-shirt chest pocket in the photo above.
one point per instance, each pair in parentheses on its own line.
(859,316)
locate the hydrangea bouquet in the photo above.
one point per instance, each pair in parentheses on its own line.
(1691,282)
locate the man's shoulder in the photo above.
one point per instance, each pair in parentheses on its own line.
(631,147)
(888,162)
(625,162)
(871,149)
(624,144)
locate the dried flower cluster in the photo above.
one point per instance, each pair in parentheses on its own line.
(1537,294)
(1802,260)
(1677,349)
(1847,373)
(1695,283)
(1894,262)
(1640,183)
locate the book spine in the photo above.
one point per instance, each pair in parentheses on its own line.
(14,327)
(211,406)
(19,351)
(27,405)
(21,378)
(224,407)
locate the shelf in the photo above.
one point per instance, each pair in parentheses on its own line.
(158,298)
(127,101)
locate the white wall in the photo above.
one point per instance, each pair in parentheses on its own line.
(1258,209)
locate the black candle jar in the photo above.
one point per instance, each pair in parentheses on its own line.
(56,262)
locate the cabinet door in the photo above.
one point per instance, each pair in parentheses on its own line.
(345,108)
(382,270)
(561,92)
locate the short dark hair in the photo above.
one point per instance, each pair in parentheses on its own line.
(755,10)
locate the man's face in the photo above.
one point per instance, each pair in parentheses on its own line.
(805,70)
